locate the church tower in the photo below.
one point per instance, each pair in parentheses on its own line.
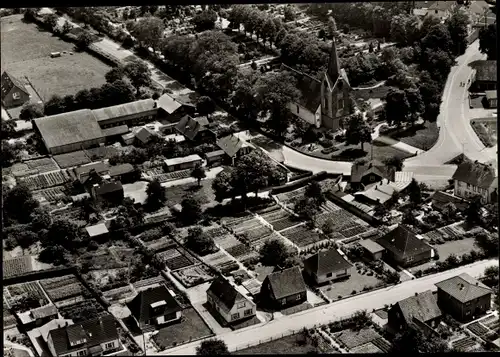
(333,63)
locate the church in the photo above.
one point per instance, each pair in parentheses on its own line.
(323,102)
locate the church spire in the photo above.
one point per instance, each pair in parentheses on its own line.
(333,63)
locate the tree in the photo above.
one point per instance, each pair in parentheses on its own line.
(31,111)
(252,173)
(199,242)
(280,36)
(212,347)
(438,37)
(289,13)
(449,212)
(315,192)
(222,185)
(487,242)
(397,107)
(148,31)
(357,130)
(198,173)
(26,239)
(488,41)
(205,20)
(473,211)
(139,74)
(412,341)
(156,195)
(307,208)
(457,25)
(8,129)
(114,74)
(414,192)
(55,105)
(54,254)
(269,31)
(380,211)
(191,210)
(84,40)
(66,28)
(29,14)
(491,276)
(394,162)
(51,20)
(10,153)
(274,252)
(63,232)
(205,106)
(244,98)
(415,104)
(19,204)
(40,219)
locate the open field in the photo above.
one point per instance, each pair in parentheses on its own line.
(486,130)
(204,194)
(422,137)
(26,52)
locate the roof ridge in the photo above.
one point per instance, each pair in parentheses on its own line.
(302,73)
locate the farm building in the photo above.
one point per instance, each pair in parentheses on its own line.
(327,265)
(128,139)
(229,302)
(153,307)
(440,199)
(182,163)
(284,288)
(172,109)
(14,92)
(92,337)
(114,133)
(133,113)
(68,132)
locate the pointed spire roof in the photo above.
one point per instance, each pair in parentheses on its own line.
(333,63)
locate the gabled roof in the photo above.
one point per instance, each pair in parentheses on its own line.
(109,187)
(371,246)
(403,242)
(121,110)
(97,230)
(326,261)
(422,4)
(225,292)
(99,167)
(144,135)
(463,287)
(286,282)
(141,308)
(116,130)
(476,174)
(423,307)
(230,144)
(182,160)
(53,325)
(442,5)
(486,71)
(440,199)
(168,104)
(93,332)
(309,87)
(376,167)
(120,169)
(44,311)
(189,127)
(9,82)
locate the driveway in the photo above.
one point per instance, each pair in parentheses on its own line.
(334,311)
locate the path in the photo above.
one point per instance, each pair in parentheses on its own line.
(11,345)
(334,311)
(398,145)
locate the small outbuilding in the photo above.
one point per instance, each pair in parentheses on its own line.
(372,249)
(97,231)
(182,163)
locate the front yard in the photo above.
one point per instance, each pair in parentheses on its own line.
(345,288)
(190,328)
(486,130)
(422,137)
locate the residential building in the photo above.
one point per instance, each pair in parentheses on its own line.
(485,77)
(284,288)
(14,92)
(125,173)
(323,102)
(172,109)
(144,135)
(440,199)
(154,307)
(476,179)
(440,9)
(369,173)
(327,265)
(491,98)
(83,173)
(215,158)
(403,247)
(422,307)
(234,147)
(68,132)
(372,249)
(232,305)
(380,193)
(133,113)
(182,163)
(39,336)
(108,191)
(89,338)
(463,297)
(97,231)
(195,129)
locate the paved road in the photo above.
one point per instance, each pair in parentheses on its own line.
(334,311)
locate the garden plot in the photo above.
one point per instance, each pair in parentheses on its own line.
(246,225)
(466,344)
(72,159)
(17,266)
(193,275)
(287,196)
(235,221)
(46,180)
(351,339)
(83,310)
(109,258)
(148,283)
(50,194)
(216,259)
(171,176)
(214,232)
(102,153)
(119,295)
(343,222)
(42,165)
(174,259)
(63,287)
(239,250)
(259,243)
(108,279)
(20,291)
(302,236)
(161,245)
(226,241)
(280,219)
(256,234)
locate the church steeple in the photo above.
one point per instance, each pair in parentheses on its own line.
(333,63)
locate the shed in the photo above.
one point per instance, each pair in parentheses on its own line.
(182,163)
(372,249)
(98,230)
(215,157)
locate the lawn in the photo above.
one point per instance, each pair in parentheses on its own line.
(191,327)
(345,288)
(293,344)
(204,194)
(486,130)
(353,152)
(26,52)
(422,137)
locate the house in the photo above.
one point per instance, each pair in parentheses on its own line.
(182,163)
(440,199)
(403,247)
(476,179)
(14,92)
(172,109)
(39,336)
(327,265)
(83,173)
(229,302)
(154,307)
(485,77)
(93,337)
(68,132)
(369,173)
(284,288)
(128,139)
(131,114)
(194,129)
(422,307)
(144,135)
(97,231)
(233,146)
(38,317)
(108,191)
(324,102)
(125,173)
(463,297)
(380,193)
(491,98)
(441,9)
(372,249)
(215,158)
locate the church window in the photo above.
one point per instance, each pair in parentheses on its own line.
(298,109)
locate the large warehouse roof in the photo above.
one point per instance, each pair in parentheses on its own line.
(121,110)
(68,128)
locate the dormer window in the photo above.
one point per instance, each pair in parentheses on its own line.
(16,95)
(298,109)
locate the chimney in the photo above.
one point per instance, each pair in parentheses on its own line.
(477,283)
(416,294)
(66,324)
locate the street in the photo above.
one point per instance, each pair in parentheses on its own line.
(327,313)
